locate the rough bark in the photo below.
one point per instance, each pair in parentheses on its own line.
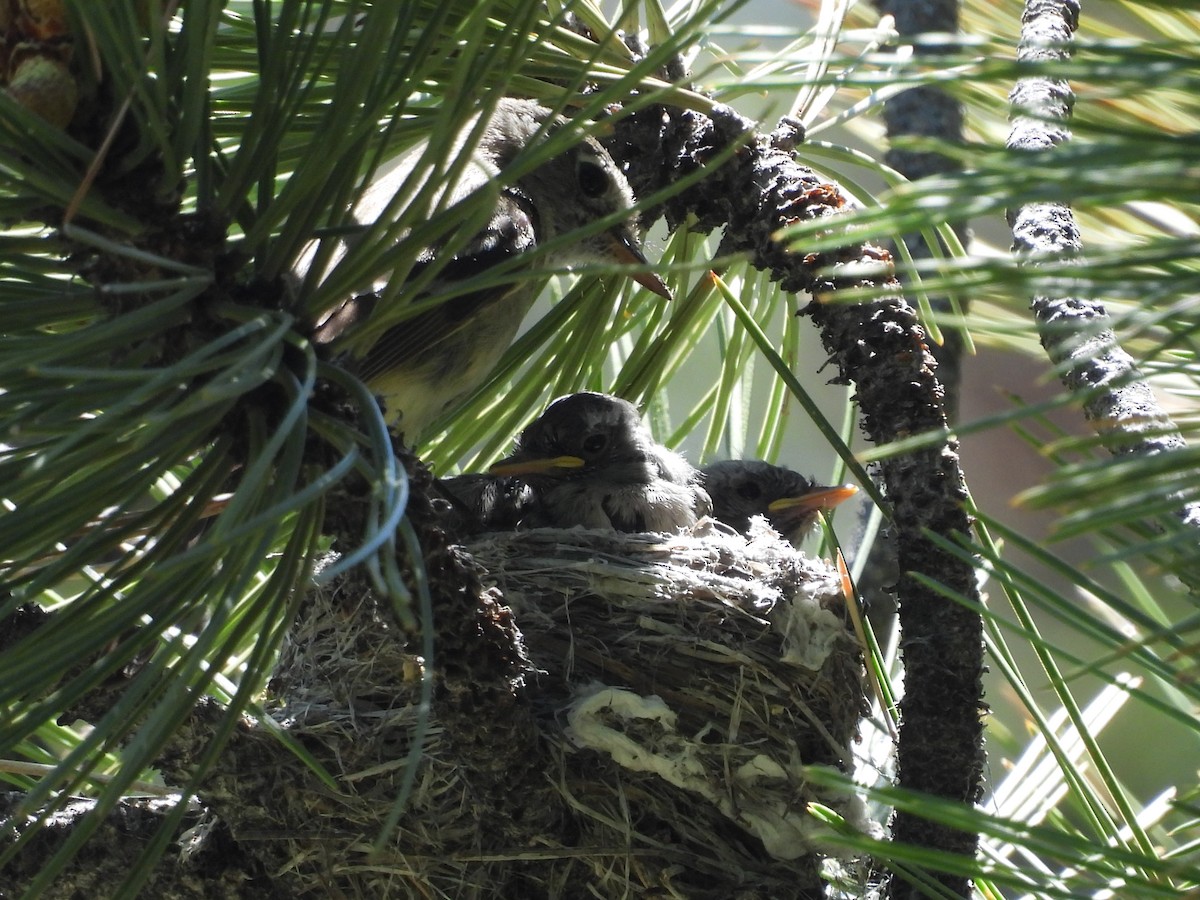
(926,111)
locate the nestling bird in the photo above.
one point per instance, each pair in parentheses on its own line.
(590,461)
(481,502)
(425,364)
(742,488)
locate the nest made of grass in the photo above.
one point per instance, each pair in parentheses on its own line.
(680,684)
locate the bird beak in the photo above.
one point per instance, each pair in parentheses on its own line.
(814,501)
(625,250)
(547,466)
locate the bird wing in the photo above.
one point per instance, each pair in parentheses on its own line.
(510,231)
(391,179)
(625,511)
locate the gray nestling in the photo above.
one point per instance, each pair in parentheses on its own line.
(743,488)
(481,502)
(590,461)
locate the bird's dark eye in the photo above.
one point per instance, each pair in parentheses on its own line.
(594,443)
(749,490)
(592,178)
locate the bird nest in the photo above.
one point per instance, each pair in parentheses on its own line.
(678,686)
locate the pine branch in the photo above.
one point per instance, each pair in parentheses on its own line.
(928,111)
(925,111)
(1076,332)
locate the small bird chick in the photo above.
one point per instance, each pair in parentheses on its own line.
(481,502)
(742,488)
(590,461)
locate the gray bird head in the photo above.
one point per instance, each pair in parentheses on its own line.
(571,190)
(743,488)
(585,435)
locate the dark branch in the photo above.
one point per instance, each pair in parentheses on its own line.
(926,111)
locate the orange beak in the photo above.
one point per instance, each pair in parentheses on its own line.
(624,250)
(814,501)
